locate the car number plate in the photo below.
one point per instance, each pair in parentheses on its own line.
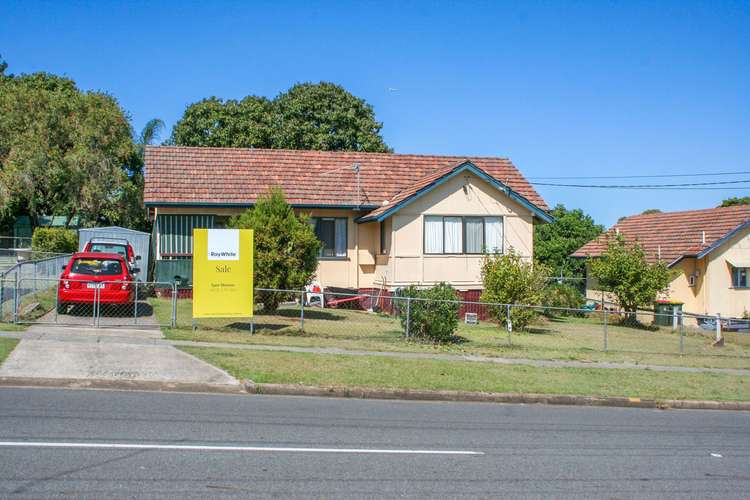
(94,285)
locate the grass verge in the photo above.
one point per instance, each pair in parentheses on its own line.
(11,327)
(6,346)
(384,372)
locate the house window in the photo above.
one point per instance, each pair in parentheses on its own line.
(383,240)
(739,277)
(462,235)
(691,280)
(332,232)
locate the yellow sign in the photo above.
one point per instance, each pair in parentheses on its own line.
(222,273)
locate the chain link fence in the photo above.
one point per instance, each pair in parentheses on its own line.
(88,302)
(374,320)
(382,320)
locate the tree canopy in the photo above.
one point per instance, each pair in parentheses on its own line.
(554,242)
(286,248)
(730,202)
(68,152)
(624,271)
(321,116)
(62,151)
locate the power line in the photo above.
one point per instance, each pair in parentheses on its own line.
(690,185)
(654,176)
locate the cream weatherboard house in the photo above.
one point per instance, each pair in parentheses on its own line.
(709,250)
(385,220)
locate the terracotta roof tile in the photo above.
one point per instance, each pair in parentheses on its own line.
(237,176)
(672,234)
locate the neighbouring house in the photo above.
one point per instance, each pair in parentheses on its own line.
(709,249)
(385,220)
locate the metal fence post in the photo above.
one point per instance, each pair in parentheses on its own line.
(302,311)
(509,324)
(57,300)
(718,327)
(408,315)
(135,305)
(15,298)
(682,333)
(94,307)
(605,331)
(174,305)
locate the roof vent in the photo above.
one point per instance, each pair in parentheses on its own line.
(658,252)
(703,237)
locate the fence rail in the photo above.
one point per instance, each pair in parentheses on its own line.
(375,321)
(371,319)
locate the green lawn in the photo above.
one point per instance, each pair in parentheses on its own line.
(43,301)
(383,372)
(563,338)
(6,345)
(11,327)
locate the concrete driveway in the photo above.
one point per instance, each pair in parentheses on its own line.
(110,354)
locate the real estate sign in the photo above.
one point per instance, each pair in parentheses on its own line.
(222,273)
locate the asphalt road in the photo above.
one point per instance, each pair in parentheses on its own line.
(101,444)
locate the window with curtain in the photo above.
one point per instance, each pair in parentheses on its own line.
(474,234)
(493,234)
(433,234)
(332,233)
(462,235)
(452,235)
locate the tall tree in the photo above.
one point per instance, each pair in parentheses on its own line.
(127,208)
(624,271)
(554,242)
(730,202)
(62,151)
(321,116)
(234,124)
(325,117)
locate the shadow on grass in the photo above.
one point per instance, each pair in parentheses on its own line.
(310,313)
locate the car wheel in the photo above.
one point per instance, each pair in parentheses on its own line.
(62,308)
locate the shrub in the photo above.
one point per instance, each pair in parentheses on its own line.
(54,239)
(286,248)
(624,270)
(508,279)
(562,296)
(430,319)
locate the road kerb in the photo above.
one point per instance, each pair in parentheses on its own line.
(133,385)
(488,397)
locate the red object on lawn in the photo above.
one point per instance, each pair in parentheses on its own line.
(335,302)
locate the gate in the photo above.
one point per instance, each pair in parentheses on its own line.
(91,302)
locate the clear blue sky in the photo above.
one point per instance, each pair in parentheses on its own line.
(562,88)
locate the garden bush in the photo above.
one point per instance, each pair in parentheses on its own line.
(54,240)
(509,279)
(430,319)
(562,296)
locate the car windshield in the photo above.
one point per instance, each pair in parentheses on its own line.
(110,248)
(97,267)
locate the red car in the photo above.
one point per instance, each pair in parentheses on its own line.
(113,245)
(87,275)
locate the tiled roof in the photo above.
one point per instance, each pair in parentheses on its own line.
(192,175)
(673,234)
